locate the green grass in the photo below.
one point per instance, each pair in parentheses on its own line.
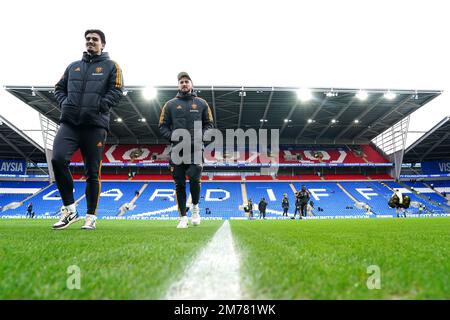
(280,259)
(328,259)
(120,260)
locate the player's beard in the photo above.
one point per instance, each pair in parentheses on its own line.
(92,52)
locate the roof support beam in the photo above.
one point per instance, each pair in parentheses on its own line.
(140,115)
(124,124)
(313,116)
(241,106)
(368,110)
(435,145)
(228,118)
(380,119)
(426,134)
(336,117)
(40,95)
(12,145)
(267,108)
(22,134)
(291,112)
(228,111)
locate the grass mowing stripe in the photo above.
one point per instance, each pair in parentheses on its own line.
(214,273)
(318,259)
(120,260)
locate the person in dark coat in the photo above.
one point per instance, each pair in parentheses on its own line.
(186,112)
(303,196)
(30,210)
(87,91)
(285,205)
(262,205)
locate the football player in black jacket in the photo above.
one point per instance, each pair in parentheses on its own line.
(86,92)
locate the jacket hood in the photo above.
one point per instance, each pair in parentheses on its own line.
(97,58)
(182,95)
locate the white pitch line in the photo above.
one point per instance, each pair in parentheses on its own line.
(213,274)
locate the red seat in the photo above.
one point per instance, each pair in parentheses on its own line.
(227,178)
(258,178)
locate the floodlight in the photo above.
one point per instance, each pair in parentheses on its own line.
(362,95)
(304,94)
(149,93)
(390,95)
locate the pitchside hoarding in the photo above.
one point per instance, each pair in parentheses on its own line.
(12,166)
(436,167)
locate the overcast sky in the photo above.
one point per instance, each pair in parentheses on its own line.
(348,44)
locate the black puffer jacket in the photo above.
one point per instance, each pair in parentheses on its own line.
(262,205)
(88,89)
(181,112)
(302,197)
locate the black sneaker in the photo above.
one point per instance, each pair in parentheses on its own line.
(67,218)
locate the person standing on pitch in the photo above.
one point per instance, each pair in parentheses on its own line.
(86,92)
(30,210)
(182,112)
(262,206)
(285,205)
(250,209)
(303,196)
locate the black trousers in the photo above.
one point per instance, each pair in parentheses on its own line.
(285,212)
(303,209)
(262,214)
(91,142)
(297,209)
(179,173)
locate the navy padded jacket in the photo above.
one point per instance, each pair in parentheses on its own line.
(88,89)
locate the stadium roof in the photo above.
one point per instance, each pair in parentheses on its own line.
(256,107)
(433,145)
(14,144)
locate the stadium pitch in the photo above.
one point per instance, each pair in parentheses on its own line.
(276,259)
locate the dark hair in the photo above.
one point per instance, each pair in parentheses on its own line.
(97,31)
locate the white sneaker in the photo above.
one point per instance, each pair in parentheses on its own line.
(195,218)
(89,222)
(67,218)
(183,223)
